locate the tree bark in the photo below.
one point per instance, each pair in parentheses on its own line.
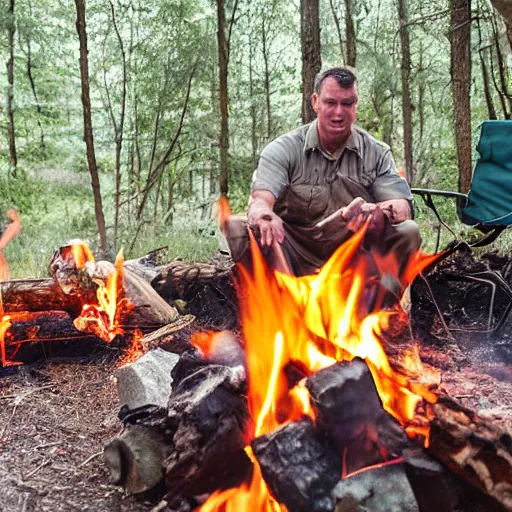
(267,77)
(31,79)
(504,7)
(11,29)
(311,57)
(485,76)
(351,34)
(406,90)
(88,134)
(461,83)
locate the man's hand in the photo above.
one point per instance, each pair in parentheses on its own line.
(262,219)
(396,210)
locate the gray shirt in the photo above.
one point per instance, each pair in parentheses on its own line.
(298,157)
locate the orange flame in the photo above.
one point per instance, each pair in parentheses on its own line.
(81,254)
(314,321)
(223,212)
(5,324)
(103,319)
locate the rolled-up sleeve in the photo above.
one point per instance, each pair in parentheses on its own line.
(388,183)
(274,165)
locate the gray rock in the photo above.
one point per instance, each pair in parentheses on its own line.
(146,381)
(384,489)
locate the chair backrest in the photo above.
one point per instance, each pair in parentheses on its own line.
(490,197)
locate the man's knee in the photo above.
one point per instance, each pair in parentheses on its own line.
(409,233)
(237,237)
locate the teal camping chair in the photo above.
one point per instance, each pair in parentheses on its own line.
(487,207)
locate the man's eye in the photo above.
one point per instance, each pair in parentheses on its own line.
(348,103)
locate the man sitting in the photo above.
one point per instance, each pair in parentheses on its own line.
(316,185)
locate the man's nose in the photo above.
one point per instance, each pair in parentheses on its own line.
(338,109)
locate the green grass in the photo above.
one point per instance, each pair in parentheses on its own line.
(57,206)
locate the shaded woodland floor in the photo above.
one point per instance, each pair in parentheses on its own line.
(55,419)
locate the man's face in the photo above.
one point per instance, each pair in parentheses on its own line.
(336,109)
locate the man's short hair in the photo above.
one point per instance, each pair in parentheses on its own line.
(345,76)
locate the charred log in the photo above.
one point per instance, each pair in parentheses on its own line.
(29,335)
(299,467)
(207,417)
(349,411)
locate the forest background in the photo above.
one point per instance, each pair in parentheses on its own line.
(122,121)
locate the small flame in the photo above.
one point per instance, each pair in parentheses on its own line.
(81,254)
(135,351)
(103,318)
(5,324)
(223,212)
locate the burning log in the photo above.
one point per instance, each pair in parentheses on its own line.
(22,333)
(349,410)
(299,467)
(207,415)
(36,295)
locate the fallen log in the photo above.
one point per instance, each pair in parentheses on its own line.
(472,448)
(27,335)
(36,295)
(207,290)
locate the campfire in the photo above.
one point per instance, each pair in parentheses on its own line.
(303,410)
(300,409)
(314,367)
(84,300)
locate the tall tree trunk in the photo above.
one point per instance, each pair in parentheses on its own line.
(311,56)
(403,16)
(485,75)
(338,31)
(267,77)
(30,75)
(119,129)
(351,33)
(222,48)
(504,7)
(11,29)
(461,82)
(254,120)
(421,97)
(88,135)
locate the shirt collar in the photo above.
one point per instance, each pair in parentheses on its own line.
(312,140)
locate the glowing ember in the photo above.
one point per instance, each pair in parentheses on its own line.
(313,321)
(5,323)
(135,351)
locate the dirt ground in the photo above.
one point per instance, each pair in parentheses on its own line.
(55,419)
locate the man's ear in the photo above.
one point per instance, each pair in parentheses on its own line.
(314,101)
